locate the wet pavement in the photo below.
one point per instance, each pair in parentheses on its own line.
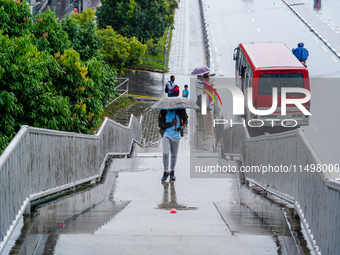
(214,215)
(146,226)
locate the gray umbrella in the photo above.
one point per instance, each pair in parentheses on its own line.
(200,70)
(173,103)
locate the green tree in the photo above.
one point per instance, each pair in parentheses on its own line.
(45,83)
(117,14)
(26,97)
(83,36)
(15,18)
(104,77)
(49,34)
(85,16)
(143,19)
(119,51)
(72,80)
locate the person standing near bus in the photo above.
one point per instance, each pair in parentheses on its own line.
(301,53)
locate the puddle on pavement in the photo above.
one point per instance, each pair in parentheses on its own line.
(259,214)
(83,211)
(70,215)
(146,83)
(85,223)
(170,198)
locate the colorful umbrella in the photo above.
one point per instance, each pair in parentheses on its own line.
(172,103)
(200,70)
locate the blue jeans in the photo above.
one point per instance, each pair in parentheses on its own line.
(170,94)
(170,145)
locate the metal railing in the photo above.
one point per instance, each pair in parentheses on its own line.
(39,162)
(315,195)
(165,51)
(121,91)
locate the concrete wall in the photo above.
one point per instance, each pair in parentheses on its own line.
(39,162)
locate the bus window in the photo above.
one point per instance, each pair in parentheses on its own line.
(236,54)
(279,80)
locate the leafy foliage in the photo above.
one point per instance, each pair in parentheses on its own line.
(83,36)
(49,34)
(15,18)
(85,16)
(57,75)
(119,51)
(143,19)
(25,89)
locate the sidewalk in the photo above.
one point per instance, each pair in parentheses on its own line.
(187,47)
(146,226)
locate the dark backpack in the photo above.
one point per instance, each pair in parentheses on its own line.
(166,88)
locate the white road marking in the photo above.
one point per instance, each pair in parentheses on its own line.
(215,49)
(252,19)
(258,29)
(335,59)
(324,48)
(316,39)
(217,60)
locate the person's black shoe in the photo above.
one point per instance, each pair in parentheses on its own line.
(172,176)
(165,176)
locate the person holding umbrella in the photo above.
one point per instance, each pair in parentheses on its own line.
(202,83)
(172,120)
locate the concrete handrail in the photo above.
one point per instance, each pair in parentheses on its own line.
(316,194)
(39,162)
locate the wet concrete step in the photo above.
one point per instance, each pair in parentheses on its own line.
(202,220)
(146,226)
(165,245)
(94,218)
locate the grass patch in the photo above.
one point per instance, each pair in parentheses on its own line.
(117,105)
(150,54)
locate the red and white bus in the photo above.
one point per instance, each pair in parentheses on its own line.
(264,65)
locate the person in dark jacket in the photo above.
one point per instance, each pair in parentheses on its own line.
(171,124)
(301,53)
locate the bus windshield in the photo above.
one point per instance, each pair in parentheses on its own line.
(279,80)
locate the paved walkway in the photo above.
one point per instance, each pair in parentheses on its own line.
(146,226)
(187,47)
(328,34)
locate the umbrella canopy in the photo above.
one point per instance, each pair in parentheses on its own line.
(200,70)
(173,103)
